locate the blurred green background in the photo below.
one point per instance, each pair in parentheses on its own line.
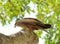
(48,11)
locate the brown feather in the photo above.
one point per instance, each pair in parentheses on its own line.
(32,23)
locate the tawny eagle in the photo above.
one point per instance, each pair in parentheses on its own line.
(32,23)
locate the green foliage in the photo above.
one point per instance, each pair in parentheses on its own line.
(13,8)
(38,33)
(48,11)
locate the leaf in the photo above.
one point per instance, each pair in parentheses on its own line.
(38,33)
